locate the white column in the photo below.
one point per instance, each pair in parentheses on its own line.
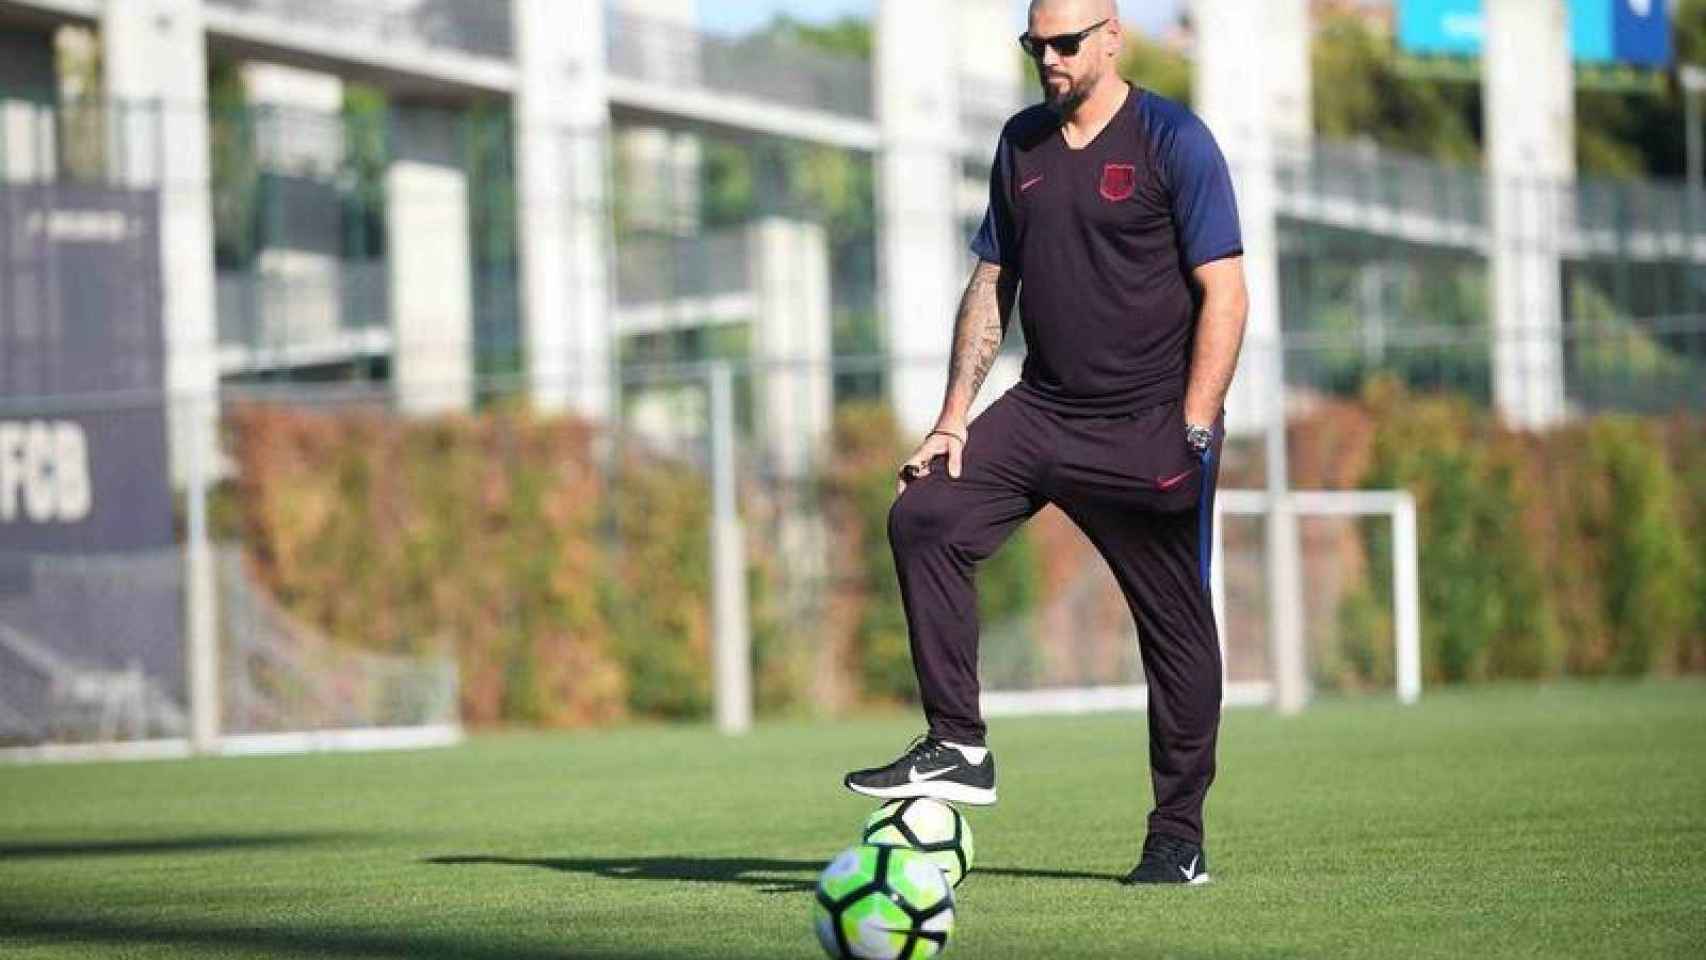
(1290,77)
(427,246)
(155,69)
(562,135)
(789,264)
(1528,89)
(921,266)
(990,79)
(1235,54)
(990,88)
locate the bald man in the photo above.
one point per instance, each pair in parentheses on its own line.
(1112,221)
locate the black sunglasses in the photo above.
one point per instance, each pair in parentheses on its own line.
(1065,44)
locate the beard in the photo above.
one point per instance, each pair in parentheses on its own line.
(1064,100)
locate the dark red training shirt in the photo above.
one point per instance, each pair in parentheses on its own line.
(1104,239)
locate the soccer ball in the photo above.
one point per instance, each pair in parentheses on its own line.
(882,903)
(931,827)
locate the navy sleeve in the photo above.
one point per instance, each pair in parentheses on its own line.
(1205,212)
(995,241)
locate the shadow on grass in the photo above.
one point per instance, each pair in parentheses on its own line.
(768,875)
(55,850)
(118,935)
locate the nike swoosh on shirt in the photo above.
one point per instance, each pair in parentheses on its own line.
(917,777)
(1028,184)
(1168,483)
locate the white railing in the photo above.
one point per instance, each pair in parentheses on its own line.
(760,67)
(477,27)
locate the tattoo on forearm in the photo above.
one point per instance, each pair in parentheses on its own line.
(979,328)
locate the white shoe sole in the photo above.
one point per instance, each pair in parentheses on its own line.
(949,792)
(1196,881)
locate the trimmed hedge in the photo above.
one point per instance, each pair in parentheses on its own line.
(1576,551)
(573,587)
(472,536)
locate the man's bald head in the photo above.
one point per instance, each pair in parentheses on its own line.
(1068,80)
(1089,10)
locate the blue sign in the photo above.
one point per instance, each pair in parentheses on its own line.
(1448,27)
(1592,40)
(1642,32)
(1633,32)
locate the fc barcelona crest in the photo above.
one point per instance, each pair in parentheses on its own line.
(1118,180)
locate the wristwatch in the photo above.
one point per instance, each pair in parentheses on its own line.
(1198,437)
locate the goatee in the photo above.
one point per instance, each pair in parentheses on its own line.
(1064,102)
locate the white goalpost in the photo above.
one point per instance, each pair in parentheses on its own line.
(1398,507)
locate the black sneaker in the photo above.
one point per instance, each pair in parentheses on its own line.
(931,768)
(1168,859)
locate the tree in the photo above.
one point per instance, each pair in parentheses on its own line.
(847,37)
(1359,92)
(1150,65)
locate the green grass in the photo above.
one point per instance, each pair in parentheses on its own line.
(1544,822)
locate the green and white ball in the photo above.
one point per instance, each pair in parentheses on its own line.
(931,827)
(882,903)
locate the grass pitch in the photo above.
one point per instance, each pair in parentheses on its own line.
(1532,822)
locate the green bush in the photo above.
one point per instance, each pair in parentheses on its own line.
(470,536)
(1484,610)
(859,489)
(1645,564)
(659,600)
(1686,444)
(574,592)
(1578,550)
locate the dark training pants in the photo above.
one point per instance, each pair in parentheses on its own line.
(1143,499)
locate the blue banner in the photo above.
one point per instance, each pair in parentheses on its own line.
(1441,27)
(1635,32)
(1642,32)
(80,317)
